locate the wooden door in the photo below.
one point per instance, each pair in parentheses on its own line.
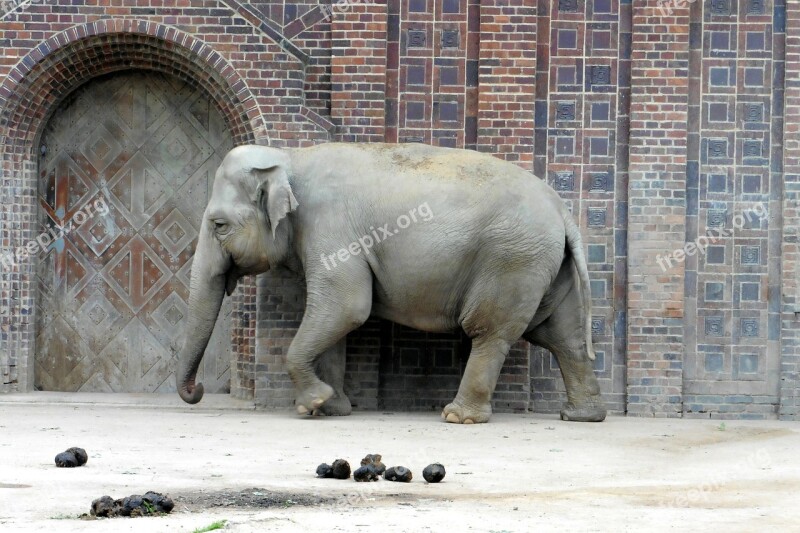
(112,291)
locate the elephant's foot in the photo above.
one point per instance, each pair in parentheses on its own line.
(590,412)
(339,405)
(457,413)
(313,397)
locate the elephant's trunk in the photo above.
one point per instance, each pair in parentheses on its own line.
(205,299)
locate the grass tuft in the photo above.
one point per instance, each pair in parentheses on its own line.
(219,524)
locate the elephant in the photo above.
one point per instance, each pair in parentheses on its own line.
(429,237)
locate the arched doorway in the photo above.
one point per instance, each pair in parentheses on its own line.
(112,290)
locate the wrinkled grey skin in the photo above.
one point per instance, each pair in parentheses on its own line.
(499,257)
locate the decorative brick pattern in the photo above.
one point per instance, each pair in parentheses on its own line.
(657,207)
(731,333)
(358,73)
(581,148)
(506,78)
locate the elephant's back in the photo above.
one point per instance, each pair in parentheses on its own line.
(417,164)
(464,183)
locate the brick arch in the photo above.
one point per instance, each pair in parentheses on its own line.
(52,70)
(33,90)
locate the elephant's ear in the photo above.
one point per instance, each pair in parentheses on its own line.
(275,194)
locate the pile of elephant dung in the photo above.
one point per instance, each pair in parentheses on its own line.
(72,458)
(374,460)
(152,503)
(372,468)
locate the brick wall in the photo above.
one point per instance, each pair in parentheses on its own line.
(657,207)
(732,334)
(358,73)
(50,49)
(506,77)
(790,245)
(581,147)
(651,119)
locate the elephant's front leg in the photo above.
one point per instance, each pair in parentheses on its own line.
(335,307)
(330,368)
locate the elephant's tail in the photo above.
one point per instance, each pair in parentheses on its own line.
(575,244)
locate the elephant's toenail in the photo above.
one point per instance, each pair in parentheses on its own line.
(468,421)
(452,418)
(301,410)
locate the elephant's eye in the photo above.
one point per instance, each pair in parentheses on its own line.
(221,226)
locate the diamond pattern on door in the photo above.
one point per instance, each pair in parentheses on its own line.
(138,190)
(70,191)
(99,233)
(136,273)
(113,288)
(175,232)
(100,149)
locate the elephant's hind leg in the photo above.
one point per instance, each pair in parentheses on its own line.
(472,404)
(562,333)
(493,330)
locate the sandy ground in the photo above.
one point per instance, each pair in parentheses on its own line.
(517,473)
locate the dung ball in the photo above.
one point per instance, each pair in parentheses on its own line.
(398,473)
(80,454)
(341,469)
(66,460)
(324,470)
(434,473)
(366,473)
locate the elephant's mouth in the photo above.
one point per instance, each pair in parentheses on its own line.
(231,277)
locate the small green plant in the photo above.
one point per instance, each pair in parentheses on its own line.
(721,427)
(149,507)
(219,524)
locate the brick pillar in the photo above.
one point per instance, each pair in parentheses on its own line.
(790,248)
(243,342)
(358,72)
(657,207)
(506,79)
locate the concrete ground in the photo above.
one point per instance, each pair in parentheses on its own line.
(517,473)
